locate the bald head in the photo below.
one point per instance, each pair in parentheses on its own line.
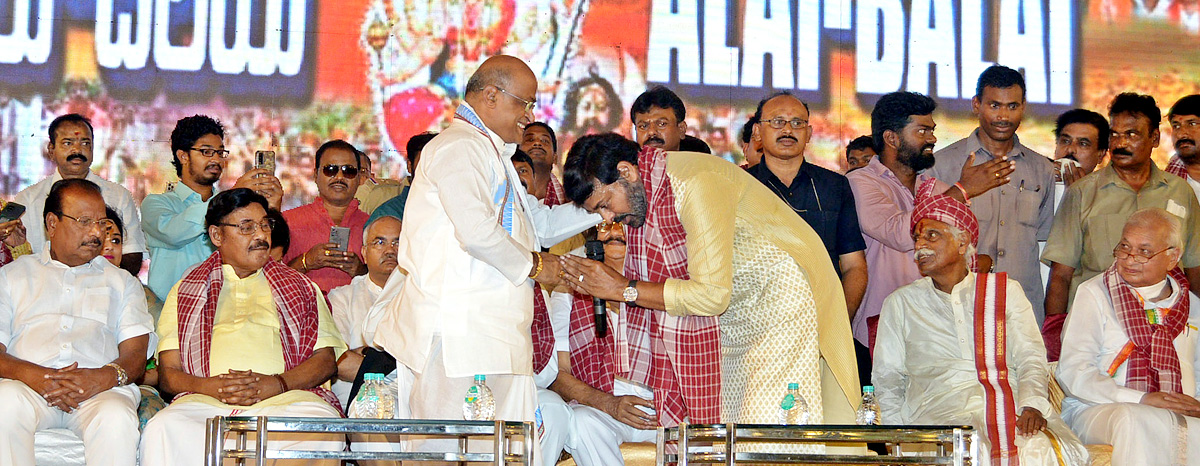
(502,92)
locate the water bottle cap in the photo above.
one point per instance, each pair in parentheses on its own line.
(480,378)
(793,386)
(868,389)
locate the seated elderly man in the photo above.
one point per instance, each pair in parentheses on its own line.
(242,335)
(976,356)
(1129,352)
(74,333)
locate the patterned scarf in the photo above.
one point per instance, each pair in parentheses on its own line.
(991,366)
(684,353)
(1177,167)
(542,330)
(592,359)
(1153,363)
(933,205)
(293,294)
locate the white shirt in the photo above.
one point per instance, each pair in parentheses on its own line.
(1093,335)
(467,275)
(115,195)
(933,380)
(1194,184)
(349,305)
(53,315)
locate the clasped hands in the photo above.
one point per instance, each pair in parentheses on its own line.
(589,277)
(66,388)
(244,388)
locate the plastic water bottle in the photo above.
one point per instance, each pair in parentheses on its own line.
(366,403)
(479,405)
(793,409)
(385,408)
(868,410)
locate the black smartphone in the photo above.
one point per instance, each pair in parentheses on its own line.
(12,211)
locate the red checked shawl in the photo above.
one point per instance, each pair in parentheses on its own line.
(684,353)
(1177,168)
(1153,364)
(294,298)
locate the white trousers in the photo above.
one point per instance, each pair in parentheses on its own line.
(597,438)
(175,436)
(1139,434)
(107,423)
(557,424)
(437,396)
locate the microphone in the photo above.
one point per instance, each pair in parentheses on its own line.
(595,251)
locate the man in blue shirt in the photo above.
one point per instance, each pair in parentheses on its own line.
(174,221)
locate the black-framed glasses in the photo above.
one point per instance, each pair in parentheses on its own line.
(246,227)
(350,171)
(528,104)
(210,152)
(779,122)
(1124,250)
(87,222)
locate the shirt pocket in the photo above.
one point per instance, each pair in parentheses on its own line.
(96,304)
(1029,205)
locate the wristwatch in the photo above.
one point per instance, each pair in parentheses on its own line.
(630,294)
(122,378)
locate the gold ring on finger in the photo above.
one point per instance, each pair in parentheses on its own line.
(997,175)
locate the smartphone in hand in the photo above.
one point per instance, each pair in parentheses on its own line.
(265,159)
(12,211)
(341,236)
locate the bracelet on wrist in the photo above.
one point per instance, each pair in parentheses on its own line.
(282,383)
(966,197)
(537,267)
(122,377)
(304,262)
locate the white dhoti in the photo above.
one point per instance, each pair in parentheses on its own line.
(555,426)
(175,436)
(598,437)
(1139,434)
(437,396)
(107,423)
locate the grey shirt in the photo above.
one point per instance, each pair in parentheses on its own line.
(1012,217)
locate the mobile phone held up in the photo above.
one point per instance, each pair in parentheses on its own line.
(341,236)
(265,159)
(12,211)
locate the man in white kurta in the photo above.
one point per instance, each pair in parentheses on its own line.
(469,245)
(926,370)
(1145,427)
(68,316)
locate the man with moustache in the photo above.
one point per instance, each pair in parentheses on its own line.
(657,117)
(819,196)
(337,170)
(1130,354)
(70,148)
(174,220)
(959,347)
(707,243)
(540,143)
(244,335)
(1185,131)
(902,127)
(74,334)
(1015,216)
(471,245)
(859,152)
(1088,224)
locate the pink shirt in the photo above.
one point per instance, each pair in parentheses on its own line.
(885,208)
(310,225)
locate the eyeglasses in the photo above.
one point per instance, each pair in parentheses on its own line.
(779,122)
(1124,250)
(210,152)
(331,171)
(606,227)
(246,227)
(660,124)
(87,222)
(380,242)
(528,104)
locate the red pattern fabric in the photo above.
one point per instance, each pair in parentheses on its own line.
(592,359)
(1154,364)
(933,205)
(684,353)
(991,365)
(1177,168)
(293,296)
(5,255)
(542,329)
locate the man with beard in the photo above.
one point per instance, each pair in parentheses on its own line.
(1088,224)
(1185,130)
(592,106)
(657,117)
(819,196)
(705,239)
(1015,216)
(902,127)
(70,148)
(958,347)
(337,170)
(174,220)
(244,335)
(74,334)
(541,145)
